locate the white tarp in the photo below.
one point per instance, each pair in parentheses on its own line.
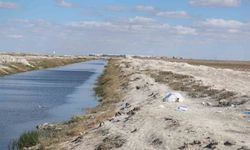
(173,97)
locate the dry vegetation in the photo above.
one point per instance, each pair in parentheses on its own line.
(195,89)
(12,68)
(54,62)
(235,65)
(37,63)
(107,89)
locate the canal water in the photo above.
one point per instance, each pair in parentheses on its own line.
(51,95)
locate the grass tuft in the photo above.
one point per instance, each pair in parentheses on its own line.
(27,139)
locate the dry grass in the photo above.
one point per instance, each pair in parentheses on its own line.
(12,68)
(111,143)
(107,89)
(235,65)
(195,89)
(39,63)
(223,64)
(53,62)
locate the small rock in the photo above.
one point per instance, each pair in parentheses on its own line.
(117,114)
(211,145)
(111,119)
(195,142)
(131,113)
(134,130)
(157,142)
(229,143)
(46,126)
(166,119)
(184,146)
(78,139)
(136,109)
(127,105)
(206,103)
(100,124)
(224,102)
(151,94)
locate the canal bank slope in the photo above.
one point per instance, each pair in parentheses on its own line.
(11,63)
(52,135)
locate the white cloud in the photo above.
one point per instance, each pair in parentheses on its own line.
(63,3)
(15,36)
(8,5)
(233,30)
(139,19)
(90,24)
(31,23)
(144,8)
(221,23)
(139,24)
(116,8)
(161,13)
(173,14)
(215,3)
(184,30)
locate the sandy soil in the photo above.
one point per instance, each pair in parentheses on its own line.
(144,121)
(14,62)
(236,65)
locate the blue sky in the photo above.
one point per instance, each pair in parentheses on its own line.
(212,29)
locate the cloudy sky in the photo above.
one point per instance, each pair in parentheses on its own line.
(212,29)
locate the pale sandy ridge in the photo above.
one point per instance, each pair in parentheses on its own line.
(11,63)
(154,124)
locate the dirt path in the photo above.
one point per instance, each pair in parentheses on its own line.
(144,121)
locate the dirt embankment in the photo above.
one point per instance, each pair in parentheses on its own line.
(51,136)
(132,114)
(10,63)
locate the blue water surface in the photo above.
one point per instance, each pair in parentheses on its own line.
(51,95)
